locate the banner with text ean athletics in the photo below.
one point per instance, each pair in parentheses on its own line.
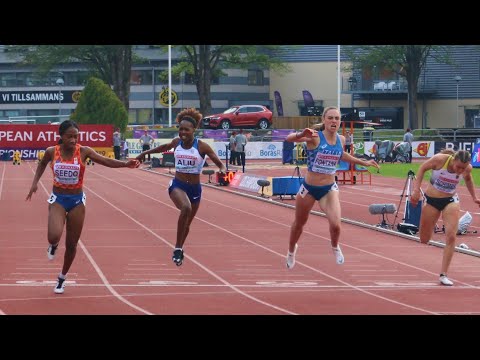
(43,136)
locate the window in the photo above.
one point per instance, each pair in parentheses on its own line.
(254,109)
(141,77)
(255,78)
(140,116)
(8,79)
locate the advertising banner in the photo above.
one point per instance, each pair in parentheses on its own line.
(43,136)
(253,150)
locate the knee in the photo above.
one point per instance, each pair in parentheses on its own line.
(186,210)
(450,241)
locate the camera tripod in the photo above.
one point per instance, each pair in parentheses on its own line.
(411,214)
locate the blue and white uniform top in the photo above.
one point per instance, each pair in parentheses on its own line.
(188,161)
(444,181)
(325,157)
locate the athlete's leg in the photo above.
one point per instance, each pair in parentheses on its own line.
(450,215)
(56,221)
(303,205)
(330,204)
(428,219)
(195,207)
(75,219)
(182,202)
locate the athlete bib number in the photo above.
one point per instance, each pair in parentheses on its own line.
(52,198)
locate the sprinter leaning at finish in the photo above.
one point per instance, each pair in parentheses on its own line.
(67,200)
(325,149)
(448,169)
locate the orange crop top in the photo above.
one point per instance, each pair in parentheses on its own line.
(68,174)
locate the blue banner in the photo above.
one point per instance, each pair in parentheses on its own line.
(476,156)
(308,99)
(25,153)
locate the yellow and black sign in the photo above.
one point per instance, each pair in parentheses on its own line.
(76,96)
(163,97)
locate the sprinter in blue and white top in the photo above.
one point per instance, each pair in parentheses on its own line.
(324,151)
(185,189)
(448,168)
(325,157)
(188,161)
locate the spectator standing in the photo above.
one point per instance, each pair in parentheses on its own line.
(240,142)
(233,153)
(116,143)
(146,141)
(348,142)
(125,149)
(408,137)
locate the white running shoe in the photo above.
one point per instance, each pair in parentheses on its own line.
(444,280)
(51,251)
(338,255)
(291,258)
(60,287)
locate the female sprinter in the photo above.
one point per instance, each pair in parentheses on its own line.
(448,168)
(185,189)
(324,151)
(67,201)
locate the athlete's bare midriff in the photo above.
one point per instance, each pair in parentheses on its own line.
(58,190)
(188,178)
(316,179)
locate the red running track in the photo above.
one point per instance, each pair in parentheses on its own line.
(235,257)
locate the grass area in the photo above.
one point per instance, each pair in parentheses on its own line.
(400,170)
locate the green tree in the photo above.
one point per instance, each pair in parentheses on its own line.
(407,61)
(98,104)
(206,62)
(111,63)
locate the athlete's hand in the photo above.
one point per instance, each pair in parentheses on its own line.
(308,133)
(33,189)
(415,197)
(140,157)
(373,163)
(132,163)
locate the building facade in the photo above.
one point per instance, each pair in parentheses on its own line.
(23,94)
(449,95)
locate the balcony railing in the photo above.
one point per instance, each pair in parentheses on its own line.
(358,84)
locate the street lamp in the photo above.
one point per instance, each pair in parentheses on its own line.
(60,82)
(457,79)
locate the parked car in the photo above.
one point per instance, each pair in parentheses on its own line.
(254,116)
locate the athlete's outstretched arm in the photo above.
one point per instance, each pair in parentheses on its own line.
(105,161)
(159,149)
(207,150)
(42,165)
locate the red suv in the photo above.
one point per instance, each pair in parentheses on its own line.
(255,116)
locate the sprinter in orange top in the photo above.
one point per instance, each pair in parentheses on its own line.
(67,201)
